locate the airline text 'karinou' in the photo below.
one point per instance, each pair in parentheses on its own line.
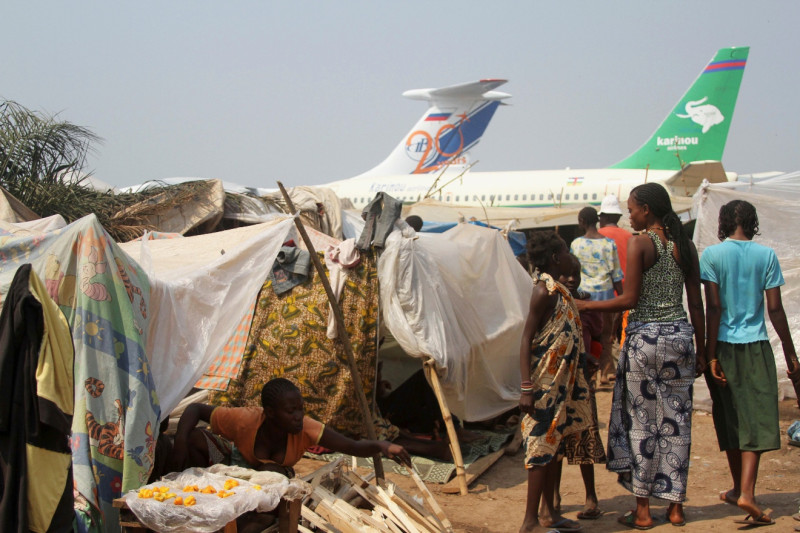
(676,143)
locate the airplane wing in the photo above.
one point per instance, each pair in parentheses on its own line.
(686,181)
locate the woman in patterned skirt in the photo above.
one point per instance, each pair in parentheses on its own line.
(554,395)
(649,435)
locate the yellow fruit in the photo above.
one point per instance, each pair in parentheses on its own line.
(163,489)
(230,483)
(145,493)
(169,495)
(209,490)
(257,487)
(189,501)
(190,488)
(159,496)
(178,501)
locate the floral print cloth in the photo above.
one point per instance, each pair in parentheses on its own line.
(561,395)
(649,435)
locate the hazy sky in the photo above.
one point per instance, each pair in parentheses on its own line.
(309,92)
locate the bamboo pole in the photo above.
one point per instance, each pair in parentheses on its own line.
(343,336)
(455,448)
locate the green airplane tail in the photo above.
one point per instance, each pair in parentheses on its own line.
(697,128)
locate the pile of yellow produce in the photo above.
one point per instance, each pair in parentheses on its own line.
(162,494)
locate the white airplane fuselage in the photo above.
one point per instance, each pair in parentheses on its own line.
(524,188)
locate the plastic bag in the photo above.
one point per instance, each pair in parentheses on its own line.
(211,512)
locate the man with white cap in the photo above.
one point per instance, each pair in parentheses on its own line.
(609,215)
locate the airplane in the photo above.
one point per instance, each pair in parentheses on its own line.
(432,160)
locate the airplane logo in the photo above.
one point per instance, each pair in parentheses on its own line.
(706,115)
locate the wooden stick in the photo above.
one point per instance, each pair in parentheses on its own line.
(437,510)
(343,336)
(455,448)
(317,521)
(397,512)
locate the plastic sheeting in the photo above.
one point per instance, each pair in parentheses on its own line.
(201,288)
(460,298)
(211,513)
(776,201)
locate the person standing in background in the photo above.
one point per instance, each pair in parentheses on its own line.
(610,213)
(601,276)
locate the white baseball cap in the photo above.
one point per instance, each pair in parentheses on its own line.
(610,206)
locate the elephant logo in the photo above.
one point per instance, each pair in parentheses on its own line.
(706,115)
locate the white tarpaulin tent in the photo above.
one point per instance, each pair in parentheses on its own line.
(776,201)
(460,298)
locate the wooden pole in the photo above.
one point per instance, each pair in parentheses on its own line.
(343,336)
(455,448)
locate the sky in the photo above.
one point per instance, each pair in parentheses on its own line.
(308,92)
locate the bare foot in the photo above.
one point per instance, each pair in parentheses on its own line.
(630,519)
(675,514)
(750,507)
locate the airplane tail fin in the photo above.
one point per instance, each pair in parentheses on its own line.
(455,120)
(696,130)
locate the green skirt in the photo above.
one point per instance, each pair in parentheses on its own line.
(746,410)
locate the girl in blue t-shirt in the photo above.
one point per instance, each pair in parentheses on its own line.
(741,375)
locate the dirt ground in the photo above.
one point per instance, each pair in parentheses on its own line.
(496,500)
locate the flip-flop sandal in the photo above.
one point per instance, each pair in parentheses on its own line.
(756,522)
(629,520)
(565,525)
(591,514)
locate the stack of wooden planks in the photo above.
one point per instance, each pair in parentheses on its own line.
(343,501)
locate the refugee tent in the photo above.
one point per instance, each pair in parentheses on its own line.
(775,199)
(150,317)
(140,340)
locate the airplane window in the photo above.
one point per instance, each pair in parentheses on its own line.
(483,197)
(508,197)
(594,196)
(524,196)
(585,196)
(541,197)
(550,196)
(516,197)
(566,197)
(558,196)
(457,198)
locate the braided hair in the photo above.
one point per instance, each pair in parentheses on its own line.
(656,197)
(541,247)
(274,390)
(737,213)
